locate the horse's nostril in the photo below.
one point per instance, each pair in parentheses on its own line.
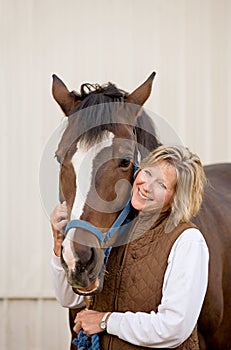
(84,254)
(92,257)
(84,263)
(80,268)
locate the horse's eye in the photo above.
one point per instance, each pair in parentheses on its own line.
(124,163)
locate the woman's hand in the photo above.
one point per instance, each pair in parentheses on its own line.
(89,321)
(58,220)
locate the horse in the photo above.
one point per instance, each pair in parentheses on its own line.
(107,134)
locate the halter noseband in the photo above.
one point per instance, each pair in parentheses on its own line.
(102,238)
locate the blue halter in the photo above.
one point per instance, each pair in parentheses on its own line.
(102,238)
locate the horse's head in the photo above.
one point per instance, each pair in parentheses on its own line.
(96,153)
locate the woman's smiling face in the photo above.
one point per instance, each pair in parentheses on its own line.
(154,187)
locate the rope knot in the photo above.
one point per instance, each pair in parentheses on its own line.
(84,342)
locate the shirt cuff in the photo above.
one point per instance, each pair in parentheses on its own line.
(56,261)
(113,323)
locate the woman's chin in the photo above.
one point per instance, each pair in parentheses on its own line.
(138,205)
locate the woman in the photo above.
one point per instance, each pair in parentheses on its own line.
(156,284)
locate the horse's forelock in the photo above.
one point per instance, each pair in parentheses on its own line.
(92,137)
(89,125)
(100,109)
(95,93)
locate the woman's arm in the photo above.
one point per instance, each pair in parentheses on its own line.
(63,291)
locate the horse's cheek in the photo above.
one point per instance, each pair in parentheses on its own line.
(68,184)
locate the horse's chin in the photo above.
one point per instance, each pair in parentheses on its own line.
(94,288)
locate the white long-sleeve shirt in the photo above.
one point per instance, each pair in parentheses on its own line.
(184,288)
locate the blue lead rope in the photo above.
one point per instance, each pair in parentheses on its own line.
(84,342)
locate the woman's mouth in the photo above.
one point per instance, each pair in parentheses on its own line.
(143,196)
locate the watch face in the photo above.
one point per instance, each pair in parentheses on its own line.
(103,325)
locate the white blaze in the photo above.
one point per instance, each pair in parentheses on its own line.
(68,254)
(83,164)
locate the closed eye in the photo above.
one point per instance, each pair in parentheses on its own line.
(163,185)
(147,172)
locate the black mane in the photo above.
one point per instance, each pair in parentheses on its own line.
(94,94)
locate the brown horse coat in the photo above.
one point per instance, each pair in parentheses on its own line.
(214,221)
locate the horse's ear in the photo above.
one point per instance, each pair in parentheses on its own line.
(142,93)
(66,99)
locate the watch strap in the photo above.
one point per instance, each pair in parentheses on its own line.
(105,316)
(103,322)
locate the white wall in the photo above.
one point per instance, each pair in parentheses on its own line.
(187,42)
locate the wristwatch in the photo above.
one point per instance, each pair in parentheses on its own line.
(103,322)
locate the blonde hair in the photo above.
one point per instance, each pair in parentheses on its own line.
(190,181)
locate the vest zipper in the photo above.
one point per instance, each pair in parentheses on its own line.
(117,288)
(122,263)
(118,280)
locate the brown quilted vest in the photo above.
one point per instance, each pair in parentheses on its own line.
(135,277)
